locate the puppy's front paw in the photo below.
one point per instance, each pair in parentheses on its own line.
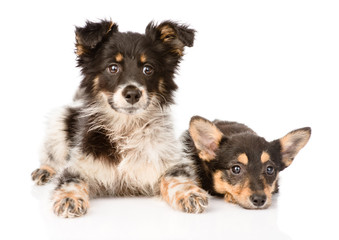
(183,194)
(70,207)
(71,200)
(194,200)
(42,175)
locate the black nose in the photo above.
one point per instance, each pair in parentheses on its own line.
(258,200)
(131,94)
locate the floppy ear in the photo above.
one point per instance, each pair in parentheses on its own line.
(88,37)
(292,143)
(206,137)
(172,34)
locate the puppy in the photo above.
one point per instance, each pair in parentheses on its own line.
(235,163)
(117,138)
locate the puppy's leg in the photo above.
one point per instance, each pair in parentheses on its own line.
(71,196)
(179,188)
(55,151)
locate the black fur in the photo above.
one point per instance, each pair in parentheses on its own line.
(72,123)
(180,170)
(68,177)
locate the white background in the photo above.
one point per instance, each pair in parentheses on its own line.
(272,65)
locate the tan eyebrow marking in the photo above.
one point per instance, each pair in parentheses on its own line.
(119,57)
(243,158)
(264,157)
(143,58)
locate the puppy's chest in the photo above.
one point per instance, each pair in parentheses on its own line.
(146,154)
(146,147)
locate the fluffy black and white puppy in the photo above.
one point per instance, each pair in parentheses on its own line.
(116,138)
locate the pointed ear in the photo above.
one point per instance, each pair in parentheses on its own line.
(172,34)
(292,143)
(88,37)
(206,137)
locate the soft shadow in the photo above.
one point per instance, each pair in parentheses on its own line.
(151,218)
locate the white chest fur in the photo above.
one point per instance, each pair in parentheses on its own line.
(146,152)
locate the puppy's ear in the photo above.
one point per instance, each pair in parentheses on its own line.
(292,143)
(171,34)
(206,137)
(88,37)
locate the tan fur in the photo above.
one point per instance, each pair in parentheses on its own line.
(238,193)
(264,157)
(80,50)
(48,168)
(183,195)
(199,127)
(168,34)
(229,198)
(143,58)
(288,142)
(119,57)
(242,158)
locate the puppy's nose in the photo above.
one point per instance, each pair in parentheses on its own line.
(131,94)
(258,200)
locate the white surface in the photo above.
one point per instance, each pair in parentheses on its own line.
(270,64)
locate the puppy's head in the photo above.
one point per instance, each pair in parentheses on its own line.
(245,167)
(131,70)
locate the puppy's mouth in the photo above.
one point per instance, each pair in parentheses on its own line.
(252,207)
(132,110)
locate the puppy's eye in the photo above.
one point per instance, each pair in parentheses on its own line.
(270,170)
(148,70)
(114,68)
(236,169)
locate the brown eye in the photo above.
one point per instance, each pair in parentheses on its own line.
(148,70)
(270,170)
(114,68)
(236,169)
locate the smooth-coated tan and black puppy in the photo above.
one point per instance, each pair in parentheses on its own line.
(234,162)
(117,138)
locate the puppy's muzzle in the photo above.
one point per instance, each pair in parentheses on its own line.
(131,94)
